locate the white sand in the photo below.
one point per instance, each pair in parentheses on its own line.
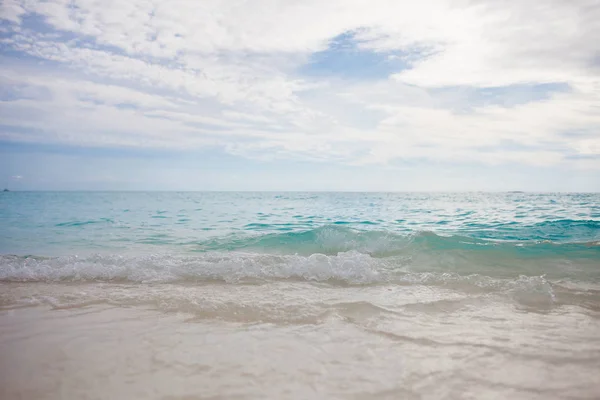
(356,351)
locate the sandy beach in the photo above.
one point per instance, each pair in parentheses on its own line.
(75,347)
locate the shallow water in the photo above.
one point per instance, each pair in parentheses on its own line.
(299,295)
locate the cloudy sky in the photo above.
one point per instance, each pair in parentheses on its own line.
(300,95)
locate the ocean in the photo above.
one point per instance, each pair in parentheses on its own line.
(299,295)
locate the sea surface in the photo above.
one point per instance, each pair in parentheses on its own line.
(299,295)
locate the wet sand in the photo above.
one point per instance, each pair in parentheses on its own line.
(101,351)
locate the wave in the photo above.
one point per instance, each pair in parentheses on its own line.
(229,267)
(137,278)
(420,265)
(333,239)
(83,223)
(334,253)
(473,268)
(562,230)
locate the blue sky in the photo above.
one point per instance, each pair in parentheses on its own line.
(343,59)
(148,95)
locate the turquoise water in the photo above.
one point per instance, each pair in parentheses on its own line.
(350,237)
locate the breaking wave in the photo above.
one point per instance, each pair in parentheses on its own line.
(333,239)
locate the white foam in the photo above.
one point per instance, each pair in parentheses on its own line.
(350,267)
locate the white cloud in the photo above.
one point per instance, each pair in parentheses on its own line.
(508,42)
(11,10)
(184,74)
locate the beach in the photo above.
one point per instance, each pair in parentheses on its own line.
(99,302)
(345,200)
(294,341)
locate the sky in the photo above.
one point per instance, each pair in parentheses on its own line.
(377,95)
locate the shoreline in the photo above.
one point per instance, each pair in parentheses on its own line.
(358,351)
